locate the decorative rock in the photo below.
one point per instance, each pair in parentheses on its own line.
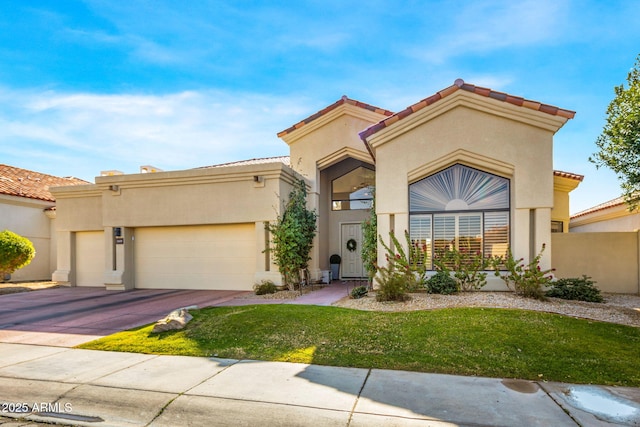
(175,320)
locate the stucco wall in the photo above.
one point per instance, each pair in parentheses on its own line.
(560,211)
(611,259)
(486,135)
(27,218)
(248,194)
(329,220)
(328,140)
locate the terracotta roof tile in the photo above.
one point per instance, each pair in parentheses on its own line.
(569,175)
(610,204)
(341,101)
(258,161)
(31,185)
(459,84)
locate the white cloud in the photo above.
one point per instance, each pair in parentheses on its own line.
(174,131)
(492,25)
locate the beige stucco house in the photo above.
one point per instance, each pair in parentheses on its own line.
(465,164)
(611,216)
(28,209)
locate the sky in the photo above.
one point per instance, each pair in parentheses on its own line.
(94,85)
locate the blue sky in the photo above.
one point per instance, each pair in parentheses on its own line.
(92,85)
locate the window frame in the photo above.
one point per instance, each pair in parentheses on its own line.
(431,245)
(364,201)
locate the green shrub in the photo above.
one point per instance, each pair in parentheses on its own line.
(359,292)
(265,287)
(292,236)
(406,263)
(392,286)
(442,283)
(580,289)
(15,252)
(467,266)
(526,280)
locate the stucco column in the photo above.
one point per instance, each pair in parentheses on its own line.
(520,234)
(313,203)
(401,225)
(65,254)
(384,228)
(119,272)
(265,268)
(542,236)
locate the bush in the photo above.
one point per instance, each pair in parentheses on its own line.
(527,280)
(442,283)
(15,252)
(393,286)
(359,292)
(265,287)
(467,266)
(580,289)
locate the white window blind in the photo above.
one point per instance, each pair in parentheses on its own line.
(420,236)
(496,233)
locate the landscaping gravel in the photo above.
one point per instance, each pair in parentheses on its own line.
(617,308)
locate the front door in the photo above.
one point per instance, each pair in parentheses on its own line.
(351,244)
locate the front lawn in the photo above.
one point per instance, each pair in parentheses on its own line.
(465,341)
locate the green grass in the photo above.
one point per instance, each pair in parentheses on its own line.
(464,341)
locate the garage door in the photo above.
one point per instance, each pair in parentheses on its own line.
(196,257)
(90,258)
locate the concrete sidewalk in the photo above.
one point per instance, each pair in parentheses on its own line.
(98,388)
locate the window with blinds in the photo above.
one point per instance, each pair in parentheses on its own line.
(459,208)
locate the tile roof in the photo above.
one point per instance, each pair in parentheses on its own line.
(569,175)
(602,206)
(259,161)
(32,185)
(341,101)
(459,84)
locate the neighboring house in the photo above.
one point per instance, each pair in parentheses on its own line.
(613,215)
(467,164)
(28,209)
(604,244)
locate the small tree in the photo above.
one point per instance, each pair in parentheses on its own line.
(15,252)
(619,142)
(292,236)
(369,250)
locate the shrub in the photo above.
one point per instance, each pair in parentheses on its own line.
(369,251)
(409,265)
(526,280)
(467,267)
(442,283)
(265,287)
(15,252)
(580,289)
(392,285)
(292,236)
(358,292)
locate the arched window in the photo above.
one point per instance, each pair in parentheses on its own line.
(462,208)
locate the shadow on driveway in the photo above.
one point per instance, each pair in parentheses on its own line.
(69,316)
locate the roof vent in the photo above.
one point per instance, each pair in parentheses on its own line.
(149,169)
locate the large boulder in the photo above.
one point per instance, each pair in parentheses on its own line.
(175,320)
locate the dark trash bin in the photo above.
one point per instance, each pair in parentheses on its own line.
(334,262)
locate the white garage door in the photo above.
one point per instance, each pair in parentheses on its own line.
(196,257)
(90,258)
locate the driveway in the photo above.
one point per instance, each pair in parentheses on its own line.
(69,316)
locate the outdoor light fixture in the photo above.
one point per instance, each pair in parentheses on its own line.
(114,187)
